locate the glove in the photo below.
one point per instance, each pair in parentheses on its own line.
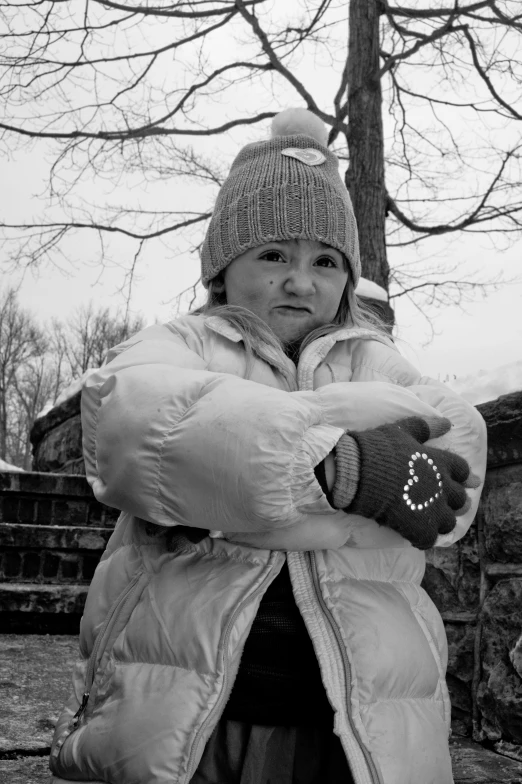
(403,484)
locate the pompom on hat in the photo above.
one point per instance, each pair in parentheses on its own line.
(287,187)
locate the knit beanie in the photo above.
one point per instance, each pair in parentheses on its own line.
(285,188)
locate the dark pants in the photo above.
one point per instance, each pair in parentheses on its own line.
(240,753)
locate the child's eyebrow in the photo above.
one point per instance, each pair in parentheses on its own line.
(295,240)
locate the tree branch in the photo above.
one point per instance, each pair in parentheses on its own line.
(485,78)
(474,217)
(171,12)
(433,13)
(392,60)
(278,66)
(149,130)
(69,226)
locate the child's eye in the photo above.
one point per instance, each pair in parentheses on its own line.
(272,255)
(326,261)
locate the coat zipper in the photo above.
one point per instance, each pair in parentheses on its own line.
(305,377)
(374,771)
(102,640)
(224,689)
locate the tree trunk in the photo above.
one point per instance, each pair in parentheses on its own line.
(3,425)
(365,175)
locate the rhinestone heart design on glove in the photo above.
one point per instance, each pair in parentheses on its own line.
(404,483)
(414,479)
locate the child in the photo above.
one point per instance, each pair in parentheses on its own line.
(257,616)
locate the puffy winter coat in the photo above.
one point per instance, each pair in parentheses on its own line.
(176,435)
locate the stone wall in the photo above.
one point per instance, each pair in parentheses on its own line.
(477,586)
(57,439)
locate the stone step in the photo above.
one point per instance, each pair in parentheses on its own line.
(53,537)
(33,598)
(50,554)
(51,499)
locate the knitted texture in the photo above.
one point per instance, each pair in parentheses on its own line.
(407,486)
(347,472)
(270,196)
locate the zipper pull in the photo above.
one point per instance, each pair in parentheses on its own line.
(77,716)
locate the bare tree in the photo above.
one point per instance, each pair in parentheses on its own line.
(84,340)
(37,383)
(37,364)
(422,100)
(21,341)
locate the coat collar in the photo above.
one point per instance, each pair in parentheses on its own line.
(322,345)
(317,351)
(313,354)
(223,327)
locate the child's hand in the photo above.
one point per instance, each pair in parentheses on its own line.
(405,485)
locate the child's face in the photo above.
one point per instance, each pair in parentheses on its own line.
(294,286)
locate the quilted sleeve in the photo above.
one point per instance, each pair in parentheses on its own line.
(385,388)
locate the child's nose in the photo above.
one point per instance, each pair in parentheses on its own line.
(299,282)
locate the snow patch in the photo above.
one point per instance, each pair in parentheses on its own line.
(370,290)
(73,388)
(8,467)
(487,385)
